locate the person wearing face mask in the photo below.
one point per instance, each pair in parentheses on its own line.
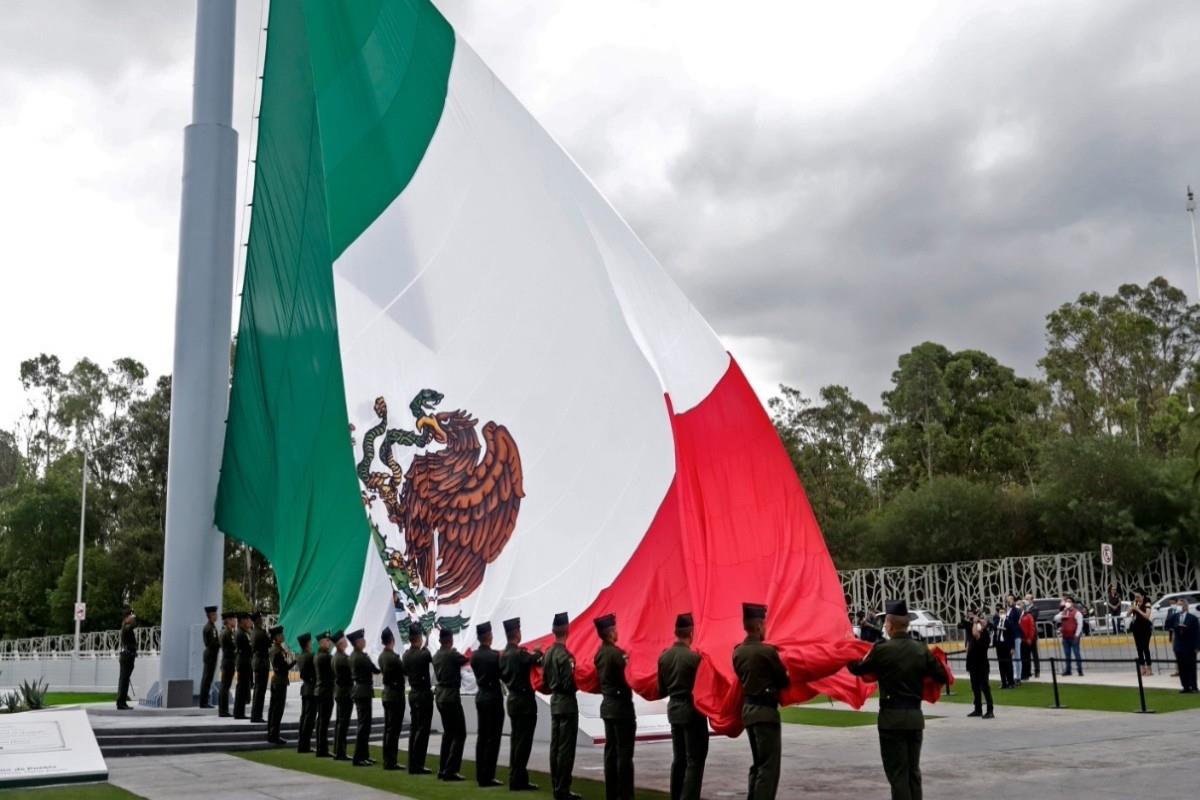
(1187,638)
(1071,621)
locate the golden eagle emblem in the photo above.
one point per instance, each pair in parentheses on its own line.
(455,507)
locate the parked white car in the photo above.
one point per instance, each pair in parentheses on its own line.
(922,625)
(1160,610)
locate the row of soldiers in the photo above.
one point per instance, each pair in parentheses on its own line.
(333,679)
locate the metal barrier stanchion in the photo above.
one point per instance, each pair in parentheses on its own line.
(1054,681)
(1141,689)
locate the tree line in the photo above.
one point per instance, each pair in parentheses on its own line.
(966,459)
(962,459)
(120,418)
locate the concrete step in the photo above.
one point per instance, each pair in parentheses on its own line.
(214,738)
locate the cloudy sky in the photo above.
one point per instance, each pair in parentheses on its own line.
(830,183)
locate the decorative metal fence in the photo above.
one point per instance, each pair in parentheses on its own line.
(97,644)
(950,589)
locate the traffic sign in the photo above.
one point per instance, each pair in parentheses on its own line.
(81,611)
(1106,555)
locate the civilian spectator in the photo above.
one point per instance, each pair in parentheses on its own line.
(978,666)
(867,630)
(1028,640)
(1003,645)
(1012,627)
(1032,644)
(1070,620)
(1112,604)
(1142,627)
(1187,639)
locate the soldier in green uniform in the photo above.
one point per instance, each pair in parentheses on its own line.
(343,688)
(558,677)
(245,673)
(763,676)
(417,662)
(260,662)
(447,666)
(212,645)
(228,661)
(280,666)
(489,706)
(393,698)
(127,658)
(308,680)
(677,668)
(515,664)
(323,662)
(364,671)
(900,664)
(616,709)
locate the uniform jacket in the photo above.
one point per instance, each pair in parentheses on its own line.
(128,642)
(392,668)
(323,663)
(447,666)
(308,673)
(617,702)
(485,663)
(677,668)
(364,671)
(900,664)
(558,677)
(416,668)
(228,646)
(280,667)
(763,677)
(212,643)
(343,678)
(243,650)
(260,644)
(515,664)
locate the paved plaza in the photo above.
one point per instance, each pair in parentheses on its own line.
(1023,752)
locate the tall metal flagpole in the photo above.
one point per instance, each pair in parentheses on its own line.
(193,551)
(79,570)
(1191,209)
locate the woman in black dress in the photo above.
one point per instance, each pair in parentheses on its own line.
(978,667)
(1142,628)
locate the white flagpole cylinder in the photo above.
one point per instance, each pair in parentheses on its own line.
(193,551)
(79,565)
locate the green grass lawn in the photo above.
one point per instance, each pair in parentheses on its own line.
(74,698)
(1081,696)
(83,791)
(424,787)
(807,714)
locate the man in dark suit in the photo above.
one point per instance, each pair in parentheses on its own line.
(1015,636)
(1003,646)
(1187,638)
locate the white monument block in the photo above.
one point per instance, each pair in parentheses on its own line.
(48,747)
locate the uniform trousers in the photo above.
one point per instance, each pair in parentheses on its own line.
(421,706)
(341,728)
(362,735)
(765,747)
(125,661)
(487,741)
(206,679)
(520,745)
(689,750)
(901,753)
(223,692)
(308,720)
(260,693)
(324,704)
(619,736)
(275,712)
(454,737)
(393,720)
(564,728)
(242,695)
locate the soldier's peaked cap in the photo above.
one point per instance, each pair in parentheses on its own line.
(415,629)
(387,637)
(513,624)
(304,639)
(445,634)
(354,636)
(753,611)
(897,608)
(684,621)
(255,615)
(325,635)
(483,629)
(229,615)
(210,609)
(337,635)
(561,619)
(243,615)
(276,631)
(605,622)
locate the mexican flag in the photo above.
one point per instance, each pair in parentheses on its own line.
(464,390)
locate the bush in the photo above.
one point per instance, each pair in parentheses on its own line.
(33,695)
